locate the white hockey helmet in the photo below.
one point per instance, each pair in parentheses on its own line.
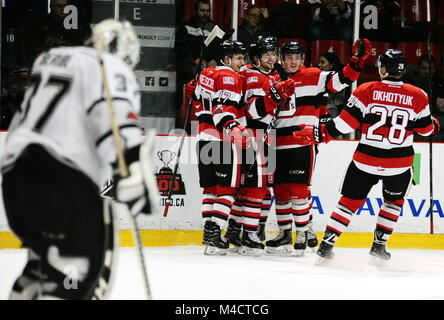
(117,38)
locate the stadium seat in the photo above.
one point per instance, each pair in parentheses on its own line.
(377,48)
(274,3)
(418,10)
(413,50)
(219,12)
(341,48)
(370,73)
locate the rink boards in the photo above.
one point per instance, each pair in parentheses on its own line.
(182,226)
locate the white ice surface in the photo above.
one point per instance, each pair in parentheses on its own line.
(177,273)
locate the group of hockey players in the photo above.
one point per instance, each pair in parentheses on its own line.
(260,131)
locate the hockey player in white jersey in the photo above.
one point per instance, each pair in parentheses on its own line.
(58,150)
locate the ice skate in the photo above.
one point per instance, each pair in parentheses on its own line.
(208,226)
(312,240)
(325,253)
(217,244)
(379,254)
(261,231)
(300,243)
(251,245)
(281,244)
(233,235)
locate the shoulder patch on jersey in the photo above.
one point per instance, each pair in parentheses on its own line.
(228,80)
(252,79)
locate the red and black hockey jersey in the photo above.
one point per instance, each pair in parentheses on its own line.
(217,96)
(388,112)
(309,101)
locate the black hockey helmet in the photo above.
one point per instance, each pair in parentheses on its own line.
(230,48)
(264,45)
(292,47)
(394,61)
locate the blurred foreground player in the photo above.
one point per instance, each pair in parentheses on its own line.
(57,153)
(388,111)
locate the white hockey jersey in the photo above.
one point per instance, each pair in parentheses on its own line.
(65,111)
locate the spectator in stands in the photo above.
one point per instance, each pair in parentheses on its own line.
(425,77)
(329,61)
(251,27)
(52,31)
(190,42)
(332,20)
(191,54)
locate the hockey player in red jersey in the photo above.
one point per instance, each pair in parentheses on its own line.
(388,112)
(294,161)
(245,213)
(221,139)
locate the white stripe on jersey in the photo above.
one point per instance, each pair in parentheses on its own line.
(288,122)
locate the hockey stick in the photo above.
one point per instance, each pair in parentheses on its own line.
(215,33)
(430,139)
(284,76)
(124,173)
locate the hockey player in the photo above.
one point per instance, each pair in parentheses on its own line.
(295,162)
(57,153)
(245,213)
(388,112)
(221,138)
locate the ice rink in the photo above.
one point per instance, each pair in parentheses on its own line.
(178,273)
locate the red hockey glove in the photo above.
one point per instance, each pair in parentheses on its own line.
(278,93)
(436,126)
(238,134)
(311,134)
(362,50)
(189,89)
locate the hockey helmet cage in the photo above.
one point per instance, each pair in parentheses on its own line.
(117,38)
(394,62)
(292,47)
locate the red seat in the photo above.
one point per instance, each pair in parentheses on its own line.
(274,3)
(377,48)
(413,50)
(370,73)
(341,48)
(219,15)
(418,10)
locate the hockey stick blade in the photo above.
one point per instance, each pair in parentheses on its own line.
(228,35)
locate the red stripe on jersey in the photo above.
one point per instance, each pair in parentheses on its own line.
(383,162)
(349,119)
(384,227)
(426,130)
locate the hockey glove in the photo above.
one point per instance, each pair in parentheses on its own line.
(131,189)
(310,134)
(278,93)
(238,134)
(362,50)
(436,126)
(189,89)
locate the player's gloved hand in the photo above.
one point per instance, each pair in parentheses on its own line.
(362,50)
(132,190)
(310,134)
(281,91)
(189,89)
(238,134)
(436,125)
